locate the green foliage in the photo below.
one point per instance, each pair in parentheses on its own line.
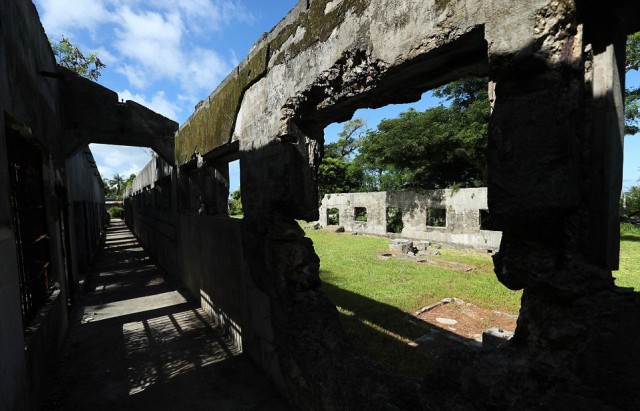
(69,56)
(115,186)
(349,141)
(439,147)
(632,95)
(394,220)
(333,216)
(629,273)
(338,173)
(630,202)
(117,182)
(116,212)
(235,203)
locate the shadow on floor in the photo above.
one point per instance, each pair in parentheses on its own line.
(138,343)
(388,335)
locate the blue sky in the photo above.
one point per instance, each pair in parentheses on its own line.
(170,54)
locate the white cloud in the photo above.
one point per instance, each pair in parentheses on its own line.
(151,40)
(64,16)
(119,159)
(106,56)
(204,70)
(136,76)
(158,103)
(152,45)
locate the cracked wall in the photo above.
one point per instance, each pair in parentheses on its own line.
(554,166)
(460,227)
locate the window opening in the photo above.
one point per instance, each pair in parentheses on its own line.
(333,216)
(436,217)
(235,196)
(394,220)
(360,214)
(36,279)
(394,151)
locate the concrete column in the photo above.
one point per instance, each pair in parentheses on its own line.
(218,183)
(603,142)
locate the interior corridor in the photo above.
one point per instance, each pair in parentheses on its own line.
(139,341)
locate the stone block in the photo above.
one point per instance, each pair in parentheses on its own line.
(494,337)
(400,246)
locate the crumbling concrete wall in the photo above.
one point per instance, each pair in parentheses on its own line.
(87,214)
(554,175)
(29,107)
(203,247)
(461,228)
(61,189)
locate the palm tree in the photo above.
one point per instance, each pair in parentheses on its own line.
(117,181)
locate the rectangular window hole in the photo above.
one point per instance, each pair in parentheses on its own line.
(360,214)
(234,203)
(394,220)
(436,217)
(486,222)
(333,216)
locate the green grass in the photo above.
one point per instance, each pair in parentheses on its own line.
(373,296)
(629,273)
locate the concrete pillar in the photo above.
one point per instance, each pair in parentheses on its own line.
(603,142)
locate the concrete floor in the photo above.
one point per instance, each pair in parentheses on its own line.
(140,342)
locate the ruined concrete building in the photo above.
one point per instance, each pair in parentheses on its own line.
(556,70)
(456,218)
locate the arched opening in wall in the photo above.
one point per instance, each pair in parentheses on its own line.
(409,181)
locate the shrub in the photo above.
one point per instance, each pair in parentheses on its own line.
(116,212)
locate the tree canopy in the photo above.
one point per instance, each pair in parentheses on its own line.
(632,95)
(69,56)
(439,147)
(115,186)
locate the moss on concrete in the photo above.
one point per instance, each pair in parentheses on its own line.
(318,26)
(212,126)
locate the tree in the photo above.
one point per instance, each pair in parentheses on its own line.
(129,181)
(235,203)
(632,95)
(630,203)
(437,148)
(117,182)
(69,56)
(349,140)
(338,173)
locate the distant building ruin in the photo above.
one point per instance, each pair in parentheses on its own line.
(456,218)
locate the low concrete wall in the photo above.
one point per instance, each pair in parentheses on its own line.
(43,340)
(463,207)
(206,254)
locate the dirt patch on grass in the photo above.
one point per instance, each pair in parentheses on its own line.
(455,323)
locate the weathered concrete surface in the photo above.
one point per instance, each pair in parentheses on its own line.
(93,114)
(554,171)
(139,343)
(462,207)
(36,112)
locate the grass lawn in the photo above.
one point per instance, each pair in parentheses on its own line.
(374,296)
(629,273)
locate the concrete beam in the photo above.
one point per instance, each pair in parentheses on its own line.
(93,114)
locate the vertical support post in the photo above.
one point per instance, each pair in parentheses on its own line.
(604,140)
